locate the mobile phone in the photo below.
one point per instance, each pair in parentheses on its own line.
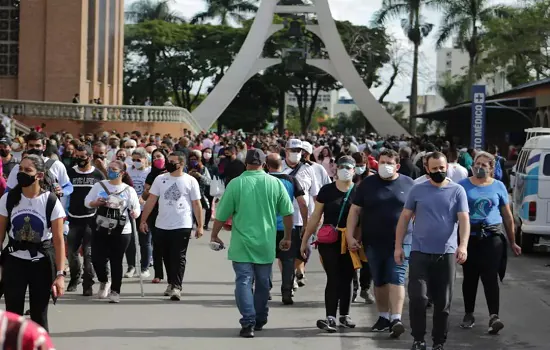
(54,294)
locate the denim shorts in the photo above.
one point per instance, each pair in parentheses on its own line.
(383,268)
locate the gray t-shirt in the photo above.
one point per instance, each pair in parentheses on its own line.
(436,220)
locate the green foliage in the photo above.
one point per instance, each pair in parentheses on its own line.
(225,11)
(453,90)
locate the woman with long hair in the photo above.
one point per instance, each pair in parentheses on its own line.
(327,161)
(196,169)
(35,255)
(116,204)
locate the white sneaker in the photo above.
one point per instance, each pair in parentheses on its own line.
(130,273)
(104,289)
(114,298)
(146,274)
(168,291)
(295,286)
(175,295)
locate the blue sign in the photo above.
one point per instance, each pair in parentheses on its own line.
(477,137)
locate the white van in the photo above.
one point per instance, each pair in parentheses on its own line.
(530,180)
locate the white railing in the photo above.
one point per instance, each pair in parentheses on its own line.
(87,112)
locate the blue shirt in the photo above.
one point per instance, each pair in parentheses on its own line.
(485,202)
(436,216)
(294,190)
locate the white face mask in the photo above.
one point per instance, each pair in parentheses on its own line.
(386,171)
(359,170)
(344,174)
(138,165)
(294,157)
(207,156)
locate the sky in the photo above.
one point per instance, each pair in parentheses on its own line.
(360,12)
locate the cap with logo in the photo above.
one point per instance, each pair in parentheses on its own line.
(293,143)
(306,146)
(255,157)
(5,140)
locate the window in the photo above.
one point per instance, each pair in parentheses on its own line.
(449,54)
(546,165)
(9,37)
(522,161)
(449,64)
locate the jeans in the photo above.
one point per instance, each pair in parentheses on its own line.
(80,234)
(287,264)
(383,267)
(340,271)
(484,258)
(145,249)
(252,305)
(109,248)
(434,273)
(20,273)
(174,245)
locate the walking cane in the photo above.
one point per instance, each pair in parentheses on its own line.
(135,232)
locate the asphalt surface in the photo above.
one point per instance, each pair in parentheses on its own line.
(207,318)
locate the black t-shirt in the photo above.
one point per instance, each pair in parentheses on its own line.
(382,203)
(233,169)
(82,183)
(149,181)
(332,198)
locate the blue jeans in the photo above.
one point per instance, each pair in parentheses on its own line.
(252,305)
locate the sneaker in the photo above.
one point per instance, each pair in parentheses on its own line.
(354,297)
(495,325)
(168,291)
(396,328)
(88,292)
(73,284)
(130,273)
(346,322)
(287,299)
(114,298)
(206,228)
(295,286)
(301,279)
(104,289)
(259,326)
(419,345)
(247,332)
(328,325)
(382,325)
(369,298)
(468,321)
(156,280)
(176,294)
(145,274)
(438,347)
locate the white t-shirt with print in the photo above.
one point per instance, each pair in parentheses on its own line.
(307,179)
(175,195)
(138,177)
(29,218)
(130,195)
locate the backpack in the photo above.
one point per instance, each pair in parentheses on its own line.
(498,168)
(50,205)
(50,181)
(112,220)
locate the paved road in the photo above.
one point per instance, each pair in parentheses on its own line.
(207,318)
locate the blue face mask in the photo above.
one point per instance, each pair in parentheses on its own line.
(111,174)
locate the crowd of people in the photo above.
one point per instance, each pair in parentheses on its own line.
(368,204)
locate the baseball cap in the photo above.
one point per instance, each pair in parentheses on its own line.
(293,143)
(5,140)
(306,146)
(346,160)
(255,157)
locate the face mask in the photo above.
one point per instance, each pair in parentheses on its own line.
(15,145)
(82,162)
(25,180)
(35,151)
(130,150)
(359,170)
(344,174)
(207,156)
(438,176)
(386,171)
(294,157)
(193,163)
(158,163)
(480,172)
(171,167)
(111,174)
(137,164)
(97,156)
(4,152)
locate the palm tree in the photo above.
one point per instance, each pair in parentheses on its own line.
(225,11)
(464,19)
(416,30)
(150,10)
(453,90)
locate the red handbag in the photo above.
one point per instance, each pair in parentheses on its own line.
(328,234)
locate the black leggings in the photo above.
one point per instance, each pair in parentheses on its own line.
(484,258)
(208,212)
(109,248)
(364,279)
(340,271)
(19,273)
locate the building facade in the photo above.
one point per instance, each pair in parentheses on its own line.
(325,100)
(51,50)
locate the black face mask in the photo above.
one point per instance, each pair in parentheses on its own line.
(4,153)
(82,162)
(438,176)
(35,151)
(25,180)
(171,167)
(97,156)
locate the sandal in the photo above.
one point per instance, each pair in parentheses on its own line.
(156,280)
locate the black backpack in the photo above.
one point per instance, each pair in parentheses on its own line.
(50,205)
(49,179)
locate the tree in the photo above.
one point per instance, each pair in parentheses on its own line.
(225,11)
(454,90)
(396,62)
(416,30)
(150,10)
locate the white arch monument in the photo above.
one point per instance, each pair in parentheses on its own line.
(249,62)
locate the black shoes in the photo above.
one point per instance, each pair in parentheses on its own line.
(259,326)
(247,332)
(468,321)
(88,291)
(438,347)
(73,284)
(328,325)
(495,325)
(419,345)
(346,322)
(382,325)
(287,299)
(396,328)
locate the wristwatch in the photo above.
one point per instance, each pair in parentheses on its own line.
(60,273)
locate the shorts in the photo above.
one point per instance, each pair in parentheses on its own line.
(289,254)
(297,243)
(383,268)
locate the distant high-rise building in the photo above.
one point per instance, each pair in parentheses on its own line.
(51,50)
